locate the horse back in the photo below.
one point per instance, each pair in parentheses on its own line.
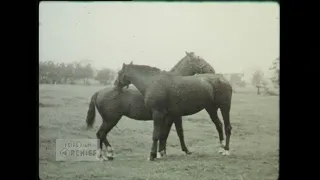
(222,88)
(188,95)
(110,101)
(133,105)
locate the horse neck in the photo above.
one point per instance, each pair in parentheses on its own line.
(188,70)
(141,79)
(181,68)
(208,69)
(191,72)
(182,71)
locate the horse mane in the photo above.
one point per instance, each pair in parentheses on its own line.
(207,66)
(147,68)
(178,64)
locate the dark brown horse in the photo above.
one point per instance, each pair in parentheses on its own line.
(170,96)
(115,103)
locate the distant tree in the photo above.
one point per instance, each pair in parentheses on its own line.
(264,83)
(42,72)
(78,74)
(70,73)
(105,76)
(48,72)
(87,73)
(257,79)
(61,70)
(82,72)
(275,67)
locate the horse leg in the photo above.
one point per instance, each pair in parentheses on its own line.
(179,129)
(158,122)
(225,111)
(169,122)
(213,113)
(99,134)
(105,128)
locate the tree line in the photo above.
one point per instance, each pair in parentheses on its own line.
(259,80)
(71,73)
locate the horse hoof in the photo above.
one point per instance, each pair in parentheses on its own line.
(104,158)
(110,158)
(153,155)
(188,153)
(221,150)
(159,155)
(99,159)
(226,153)
(151,159)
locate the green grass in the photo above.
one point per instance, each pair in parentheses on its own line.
(254,141)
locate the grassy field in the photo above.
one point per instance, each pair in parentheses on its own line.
(254,141)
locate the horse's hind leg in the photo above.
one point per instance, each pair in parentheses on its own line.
(213,113)
(105,128)
(179,129)
(100,134)
(225,111)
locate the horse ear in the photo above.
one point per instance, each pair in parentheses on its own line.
(187,53)
(131,62)
(123,65)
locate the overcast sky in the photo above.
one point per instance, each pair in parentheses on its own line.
(232,37)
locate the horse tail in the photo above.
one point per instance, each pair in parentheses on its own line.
(91,114)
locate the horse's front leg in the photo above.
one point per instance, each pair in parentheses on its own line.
(157,134)
(168,125)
